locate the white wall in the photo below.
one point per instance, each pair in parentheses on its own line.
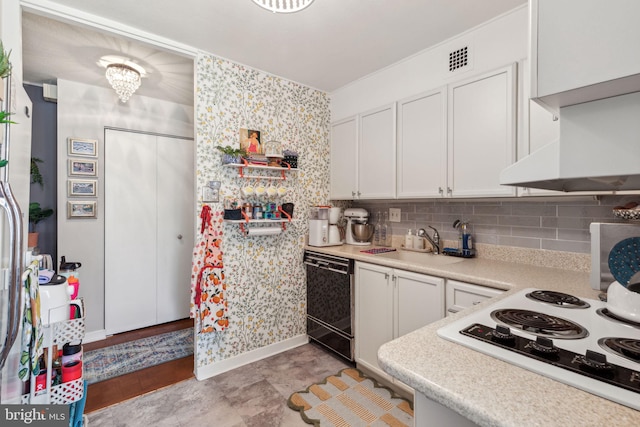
(83,112)
(496,43)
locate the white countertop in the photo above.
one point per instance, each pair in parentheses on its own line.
(486,390)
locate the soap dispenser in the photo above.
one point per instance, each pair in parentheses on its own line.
(408,240)
(467,242)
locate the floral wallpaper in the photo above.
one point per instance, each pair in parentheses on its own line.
(266,285)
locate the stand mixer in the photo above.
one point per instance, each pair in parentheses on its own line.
(358,216)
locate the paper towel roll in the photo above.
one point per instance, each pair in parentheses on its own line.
(264,231)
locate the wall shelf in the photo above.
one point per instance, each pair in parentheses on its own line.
(241,170)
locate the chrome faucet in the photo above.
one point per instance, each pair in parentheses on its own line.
(435,242)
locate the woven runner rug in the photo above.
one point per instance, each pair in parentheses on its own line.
(351,399)
(120,359)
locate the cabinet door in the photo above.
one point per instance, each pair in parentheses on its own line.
(343,155)
(374,311)
(422,145)
(584,50)
(175,227)
(482,133)
(461,295)
(130,231)
(377,154)
(419,300)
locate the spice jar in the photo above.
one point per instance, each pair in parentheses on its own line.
(257,212)
(247,209)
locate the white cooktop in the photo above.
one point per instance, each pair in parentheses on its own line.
(596,325)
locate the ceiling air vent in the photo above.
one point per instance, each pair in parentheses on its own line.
(459,58)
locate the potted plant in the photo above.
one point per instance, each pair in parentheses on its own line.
(5,67)
(231,154)
(36,214)
(4,118)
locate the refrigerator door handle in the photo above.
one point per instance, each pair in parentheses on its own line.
(10,206)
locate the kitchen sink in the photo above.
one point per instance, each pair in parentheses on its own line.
(420,258)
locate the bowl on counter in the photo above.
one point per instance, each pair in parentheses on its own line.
(362,232)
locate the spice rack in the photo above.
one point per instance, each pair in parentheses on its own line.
(58,334)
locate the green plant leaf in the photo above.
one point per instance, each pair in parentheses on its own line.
(36,176)
(3,163)
(4,117)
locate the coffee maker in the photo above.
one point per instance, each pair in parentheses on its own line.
(322,226)
(357,216)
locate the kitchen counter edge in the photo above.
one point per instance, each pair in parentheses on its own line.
(484,389)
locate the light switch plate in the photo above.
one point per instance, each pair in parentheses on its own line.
(394,214)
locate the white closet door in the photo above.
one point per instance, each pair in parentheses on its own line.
(176,227)
(130,231)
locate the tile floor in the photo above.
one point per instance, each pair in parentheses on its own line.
(252,395)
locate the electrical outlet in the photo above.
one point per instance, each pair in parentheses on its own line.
(394,214)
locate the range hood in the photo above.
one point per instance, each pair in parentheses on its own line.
(598,150)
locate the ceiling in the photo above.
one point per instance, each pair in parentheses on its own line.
(326,46)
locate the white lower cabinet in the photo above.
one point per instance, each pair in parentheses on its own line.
(389,304)
(461,295)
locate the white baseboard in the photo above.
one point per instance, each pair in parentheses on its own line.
(94,336)
(216,368)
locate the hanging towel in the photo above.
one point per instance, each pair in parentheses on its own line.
(208,286)
(32,334)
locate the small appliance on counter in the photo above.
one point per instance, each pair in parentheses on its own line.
(323,229)
(359,232)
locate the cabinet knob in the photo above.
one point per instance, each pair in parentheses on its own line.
(476,302)
(179,236)
(440,190)
(353,194)
(449,190)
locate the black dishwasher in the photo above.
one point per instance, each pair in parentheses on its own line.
(330,302)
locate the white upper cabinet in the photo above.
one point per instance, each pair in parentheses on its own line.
(422,145)
(377,154)
(343,159)
(482,130)
(584,50)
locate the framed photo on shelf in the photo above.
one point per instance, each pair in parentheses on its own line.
(83,167)
(81,209)
(82,188)
(83,147)
(250,141)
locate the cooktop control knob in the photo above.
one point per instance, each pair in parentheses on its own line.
(544,346)
(503,334)
(595,360)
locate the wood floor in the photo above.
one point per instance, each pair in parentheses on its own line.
(124,387)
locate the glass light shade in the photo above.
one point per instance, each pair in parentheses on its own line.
(123,79)
(283,6)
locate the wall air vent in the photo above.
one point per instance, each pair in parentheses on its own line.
(459,58)
(50,92)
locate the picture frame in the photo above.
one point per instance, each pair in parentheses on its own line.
(83,167)
(250,141)
(81,209)
(82,147)
(82,188)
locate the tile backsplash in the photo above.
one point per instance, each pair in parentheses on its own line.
(558,224)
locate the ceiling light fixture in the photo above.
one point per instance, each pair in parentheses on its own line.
(125,80)
(283,6)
